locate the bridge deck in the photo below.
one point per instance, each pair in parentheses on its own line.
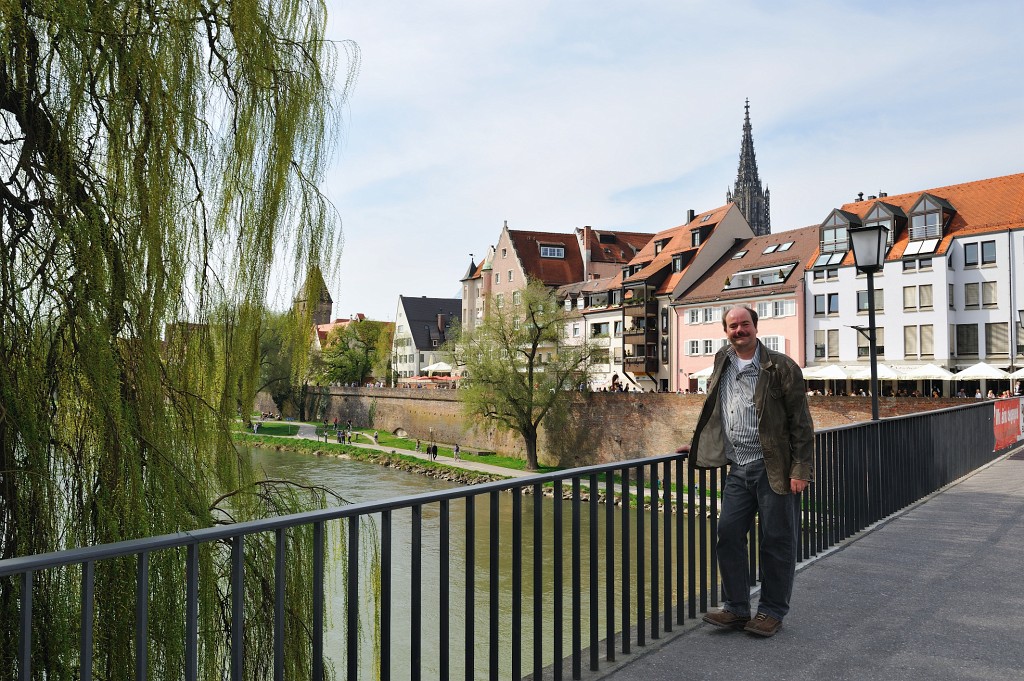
(933,593)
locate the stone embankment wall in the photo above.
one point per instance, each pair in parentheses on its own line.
(601,427)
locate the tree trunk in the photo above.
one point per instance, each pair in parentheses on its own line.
(530,439)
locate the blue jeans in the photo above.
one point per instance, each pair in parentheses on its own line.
(747,493)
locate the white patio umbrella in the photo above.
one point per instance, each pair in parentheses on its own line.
(832,372)
(439,367)
(981,371)
(704,373)
(1019,373)
(927,372)
(885,373)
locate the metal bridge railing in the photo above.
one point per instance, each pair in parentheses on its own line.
(640,573)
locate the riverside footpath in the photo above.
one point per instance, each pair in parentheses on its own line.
(934,592)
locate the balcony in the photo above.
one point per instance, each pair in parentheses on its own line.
(600,341)
(640,336)
(640,308)
(640,365)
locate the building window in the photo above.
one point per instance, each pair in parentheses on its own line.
(966,340)
(970,255)
(989,294)
(910,345)
(924,264)
(760,277)
(664,321)
(775,343)
(617,327)
(864,346)
(693,347)
(784,308)
(552,252)
(819,344)
(712,314)
(576,330)
(909,297)
(510,275)
(693,316)
(972,300)
(826,304)
(997,339)
(738,254)
(664,350)
(988,252)
(924,296)
(764,310)
(709,347)
(862,301)
(927,340)
(504,252)
(499,299)
(517,297)
(952,301)
(497,277)
(677,263)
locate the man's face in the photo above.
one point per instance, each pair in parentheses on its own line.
(742,333)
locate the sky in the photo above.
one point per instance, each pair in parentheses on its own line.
(623,115)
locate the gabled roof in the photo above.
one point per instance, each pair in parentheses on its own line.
(422,315)
(550,271)
(711,286)
(982,207)
(324,330)
(607,246)
(676,240)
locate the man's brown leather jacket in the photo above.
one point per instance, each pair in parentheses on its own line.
(783,421)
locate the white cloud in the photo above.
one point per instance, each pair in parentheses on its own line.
(557,114)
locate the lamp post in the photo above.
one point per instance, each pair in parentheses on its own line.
(868,244)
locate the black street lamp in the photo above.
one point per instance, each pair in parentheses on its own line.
(868,244)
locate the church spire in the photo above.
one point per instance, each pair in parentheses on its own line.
(748,195)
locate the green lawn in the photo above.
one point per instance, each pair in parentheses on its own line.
(278,428)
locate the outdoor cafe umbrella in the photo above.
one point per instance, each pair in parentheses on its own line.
(885,373)
(1019,373)
(440,367)
(927,372)
(981,372)
(832,372)
(704,373)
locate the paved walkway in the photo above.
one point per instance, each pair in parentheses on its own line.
(933,593)
(309,432)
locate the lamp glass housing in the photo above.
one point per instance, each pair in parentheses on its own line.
(868,244)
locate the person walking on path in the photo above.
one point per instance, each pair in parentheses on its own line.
(756,419)
(456,451)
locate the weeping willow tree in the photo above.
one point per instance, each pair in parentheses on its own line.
(155,156)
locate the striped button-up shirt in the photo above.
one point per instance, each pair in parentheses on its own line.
(739,416)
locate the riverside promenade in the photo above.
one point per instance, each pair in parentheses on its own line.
(935,592)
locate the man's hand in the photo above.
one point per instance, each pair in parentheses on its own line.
(796,485)
(683,450)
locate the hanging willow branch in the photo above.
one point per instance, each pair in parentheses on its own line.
(155,157)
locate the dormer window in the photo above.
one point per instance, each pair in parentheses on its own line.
(552,251)
(677,262)
(658,245)
(834,236)
(759,277)
(928,217)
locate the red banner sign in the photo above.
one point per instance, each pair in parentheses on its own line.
(1007,422)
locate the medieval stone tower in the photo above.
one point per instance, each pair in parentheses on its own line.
(314,292)
(753,201)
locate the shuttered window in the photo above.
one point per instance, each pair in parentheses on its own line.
(924,295)
(833,343)
(927,340)
(910,348)
(989,294)
(971,297)
(909,297)
(997,339)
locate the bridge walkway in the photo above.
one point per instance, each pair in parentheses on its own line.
(933,593)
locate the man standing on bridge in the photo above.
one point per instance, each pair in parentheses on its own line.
(756,419)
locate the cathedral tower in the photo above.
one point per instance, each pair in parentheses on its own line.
(749,197)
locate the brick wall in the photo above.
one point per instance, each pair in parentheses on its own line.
(601,427)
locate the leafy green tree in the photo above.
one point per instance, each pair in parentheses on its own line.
(352,353)
(520,368)
(154,158)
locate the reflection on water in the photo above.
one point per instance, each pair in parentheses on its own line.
(357,481)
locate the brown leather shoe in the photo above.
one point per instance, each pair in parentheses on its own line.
(763,625)
(726,620)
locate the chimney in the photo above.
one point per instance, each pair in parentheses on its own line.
(440,322)
(690,215)
(872,198)
(860,196)
(882,195)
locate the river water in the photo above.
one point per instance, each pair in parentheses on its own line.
(358,481)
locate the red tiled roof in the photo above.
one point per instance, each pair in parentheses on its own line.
(551,271)
(802,252)
(677,239)
(982,207)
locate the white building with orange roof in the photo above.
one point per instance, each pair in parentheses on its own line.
(765,273)
(950,292)
(595,307)
(670,264)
